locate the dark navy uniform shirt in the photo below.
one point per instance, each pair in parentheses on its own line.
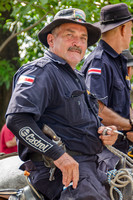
(107,78)
(56,95)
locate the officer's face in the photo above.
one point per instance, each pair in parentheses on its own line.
(127,34)
(69,41)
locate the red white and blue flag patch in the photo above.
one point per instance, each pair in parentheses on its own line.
(29,80)
(93,70)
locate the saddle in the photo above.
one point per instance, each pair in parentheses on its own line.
(25,193)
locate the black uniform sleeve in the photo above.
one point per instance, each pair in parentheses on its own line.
(27,131)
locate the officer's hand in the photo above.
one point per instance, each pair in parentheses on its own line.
(130,136)
(111,136)
(69,168)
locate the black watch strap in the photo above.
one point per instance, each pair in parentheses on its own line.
(131,123)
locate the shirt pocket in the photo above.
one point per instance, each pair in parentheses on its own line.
(119,93)
(77,111)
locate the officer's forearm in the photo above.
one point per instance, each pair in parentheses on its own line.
(131,113)
(112,118)
(27,131)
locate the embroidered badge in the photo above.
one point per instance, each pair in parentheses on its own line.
(127,78)
(88,92)
(94,71)
(29,80)
(31,138)
(79,16)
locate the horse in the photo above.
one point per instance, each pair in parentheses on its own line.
(11,177)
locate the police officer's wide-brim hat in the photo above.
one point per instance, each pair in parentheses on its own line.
(112,16)
(129,57)
(71,15)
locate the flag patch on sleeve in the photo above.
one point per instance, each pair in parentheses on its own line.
(94,71)
(29,80)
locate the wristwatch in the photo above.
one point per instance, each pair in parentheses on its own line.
(131,123)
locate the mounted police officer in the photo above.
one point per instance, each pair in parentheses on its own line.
(49,91)
(106,73)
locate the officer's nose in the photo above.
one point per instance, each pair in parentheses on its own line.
(76,41)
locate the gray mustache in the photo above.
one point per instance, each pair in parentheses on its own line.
(75,49)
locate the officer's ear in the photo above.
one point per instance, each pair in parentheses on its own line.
(123,29)
(50,40)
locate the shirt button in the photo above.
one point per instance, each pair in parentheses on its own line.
(79,103)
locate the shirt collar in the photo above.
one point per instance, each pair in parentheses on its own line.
(55,58)
(61,61)
(108,49)
(113,53)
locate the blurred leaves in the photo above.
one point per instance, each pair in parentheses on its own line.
(6,73)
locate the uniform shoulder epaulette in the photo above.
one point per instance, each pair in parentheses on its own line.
(42,62)
(98,54)
(27,65)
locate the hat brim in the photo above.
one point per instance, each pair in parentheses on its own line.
(107,27)
(94,33)
(130,63)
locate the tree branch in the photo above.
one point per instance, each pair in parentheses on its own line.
(24,30)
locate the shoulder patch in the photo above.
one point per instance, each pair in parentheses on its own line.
(27,79)
(93,70)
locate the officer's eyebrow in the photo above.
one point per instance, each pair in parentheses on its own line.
(72,31)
